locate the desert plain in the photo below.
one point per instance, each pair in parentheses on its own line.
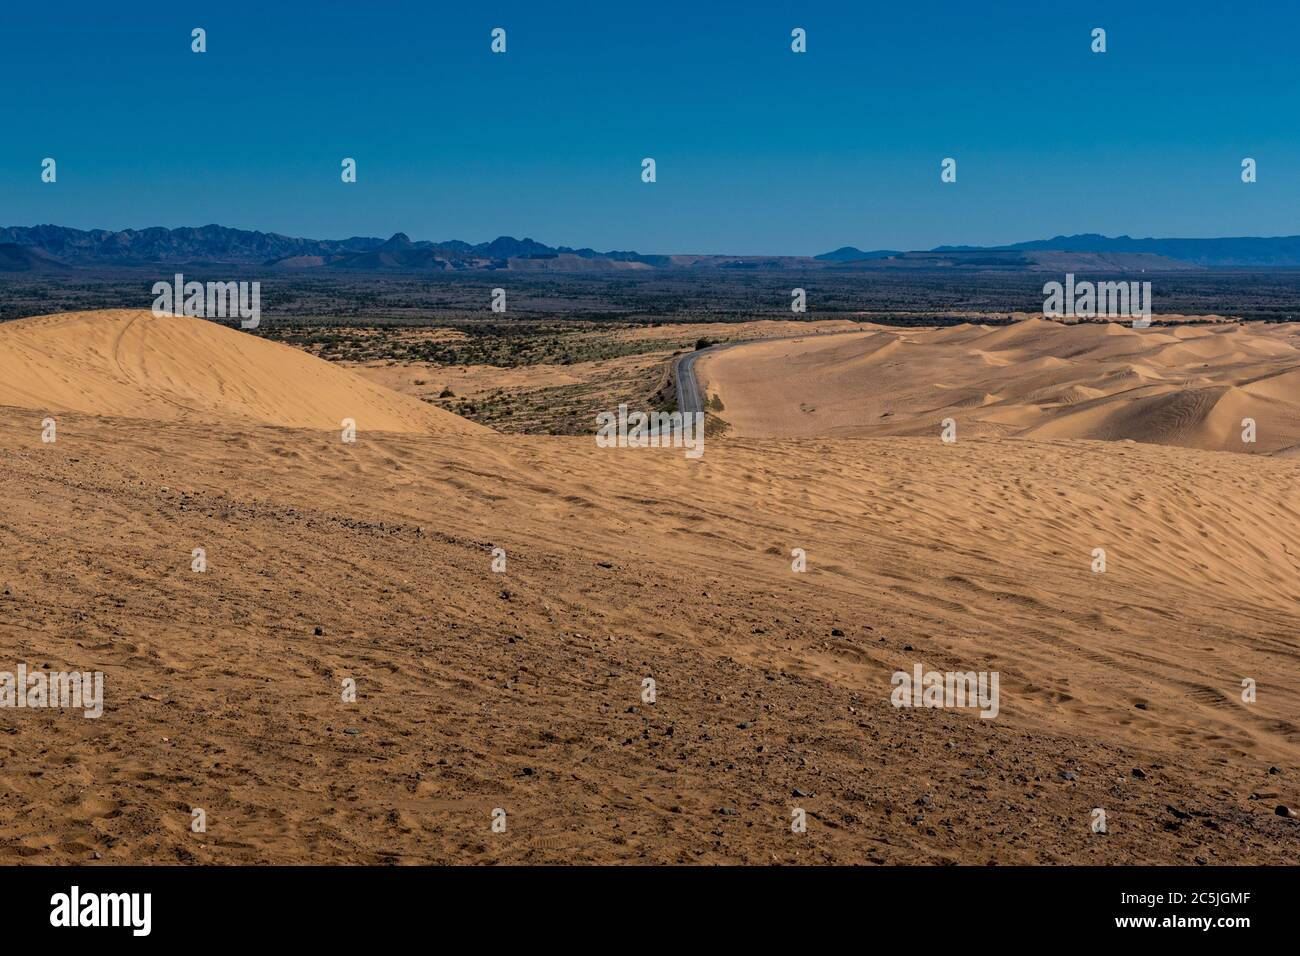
(523,691)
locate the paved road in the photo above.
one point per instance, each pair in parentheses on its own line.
(689,397)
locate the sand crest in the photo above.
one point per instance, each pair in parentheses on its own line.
(131,363)
(1189,386)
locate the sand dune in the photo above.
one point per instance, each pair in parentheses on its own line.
(1189,385)
(522,690)
(134,364)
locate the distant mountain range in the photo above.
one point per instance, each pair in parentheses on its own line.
(1243,252)
(1247,252)
(1013,260)
(222,245)
(849,254)
(48,249)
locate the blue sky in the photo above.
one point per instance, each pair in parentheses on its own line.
(759,150)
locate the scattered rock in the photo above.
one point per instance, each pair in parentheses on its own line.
(1139,773)
(836,632)
(318,631)
(1282,810)
(1069,775)
(1274,770)
(801,793)
(1141,705)
(351,731)
(728,811)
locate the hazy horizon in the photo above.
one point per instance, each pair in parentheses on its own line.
(578,244)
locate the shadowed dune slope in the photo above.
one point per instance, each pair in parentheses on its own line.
(1190,386)
(131,363)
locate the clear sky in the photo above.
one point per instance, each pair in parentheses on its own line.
(758,149)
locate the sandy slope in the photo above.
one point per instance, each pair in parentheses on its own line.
(171,368)
(1188,386)
(522,690)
